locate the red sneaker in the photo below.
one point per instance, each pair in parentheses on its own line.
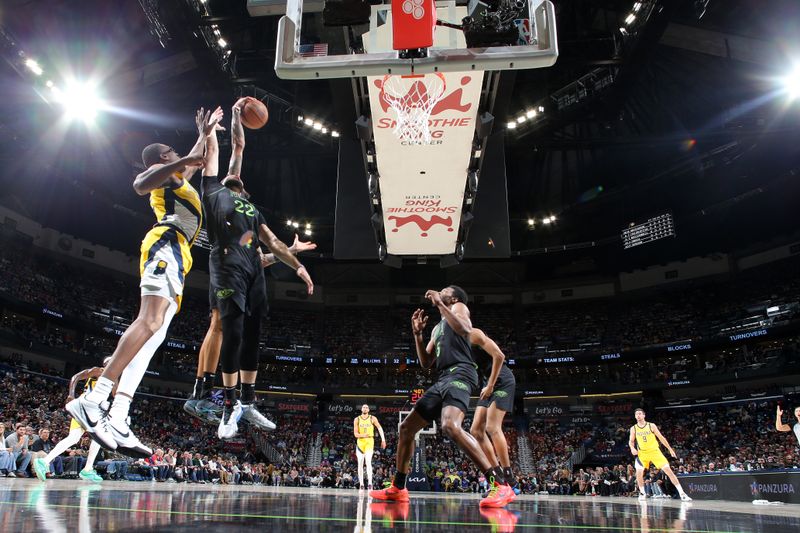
(499,496)
(392,494)
(501,520)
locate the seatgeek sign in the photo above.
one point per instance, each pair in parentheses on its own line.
(422,184)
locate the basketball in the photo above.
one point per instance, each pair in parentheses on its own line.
(254,113)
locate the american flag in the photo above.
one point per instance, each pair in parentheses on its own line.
(314,50)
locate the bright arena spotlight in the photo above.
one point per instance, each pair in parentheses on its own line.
(80,100)
(791,83)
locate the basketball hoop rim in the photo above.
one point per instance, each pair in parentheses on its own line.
(433,98)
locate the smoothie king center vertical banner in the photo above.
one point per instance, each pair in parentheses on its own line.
(422,184)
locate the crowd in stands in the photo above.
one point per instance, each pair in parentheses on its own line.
(733,437)
(695,310)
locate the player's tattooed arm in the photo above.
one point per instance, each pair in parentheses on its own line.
(237,139)
(284,255)
(297,247)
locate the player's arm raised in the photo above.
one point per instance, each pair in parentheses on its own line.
(632,442)
(457,317)
(425,353)
(285,256)
(663,440)
(157,175)
(211,167)
(779,425)
(479,338)
(237,139)
(380,431)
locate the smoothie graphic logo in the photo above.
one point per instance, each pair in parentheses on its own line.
(424,212)
(418,94)
(423,224)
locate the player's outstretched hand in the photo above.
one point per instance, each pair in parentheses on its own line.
(434,297)
(214,122)
(634,451)
(418,322)
(673,454)
(302,273)
(207,121)
(300,246)
(779,412)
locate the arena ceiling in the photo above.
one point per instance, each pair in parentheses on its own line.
(693,123)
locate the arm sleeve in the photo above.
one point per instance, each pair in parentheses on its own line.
(261,219)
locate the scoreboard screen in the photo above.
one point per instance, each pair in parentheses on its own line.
(416,394)
(658,227)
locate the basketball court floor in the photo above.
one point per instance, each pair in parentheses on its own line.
(27,505)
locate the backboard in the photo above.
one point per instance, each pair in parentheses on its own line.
(541,52)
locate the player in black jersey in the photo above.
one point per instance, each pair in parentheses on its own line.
(496,399)
(234,227)
(199,404)
(449,350)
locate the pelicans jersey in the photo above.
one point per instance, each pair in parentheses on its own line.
(365,426)
(649,450)
(165,252)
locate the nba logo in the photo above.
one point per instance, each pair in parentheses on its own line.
(524,29)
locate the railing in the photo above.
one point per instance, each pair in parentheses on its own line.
(315,451)
(577,457)
(524,455)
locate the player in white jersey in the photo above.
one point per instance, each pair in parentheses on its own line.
(780,426)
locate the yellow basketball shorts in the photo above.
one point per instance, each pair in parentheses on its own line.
(165,260)
(644,459)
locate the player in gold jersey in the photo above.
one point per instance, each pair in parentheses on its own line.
(165,261)
(644,446)
(41,465)
(364,431)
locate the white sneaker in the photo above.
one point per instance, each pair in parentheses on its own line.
(92,418)
(252,415)
(127,443)
(642,497)
(685,497)
(229,424)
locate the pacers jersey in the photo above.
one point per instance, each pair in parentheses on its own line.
(365,426)
(89,385)
(178,206)
(646,440)
(450,348)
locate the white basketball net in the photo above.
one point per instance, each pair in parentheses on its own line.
(413,100)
